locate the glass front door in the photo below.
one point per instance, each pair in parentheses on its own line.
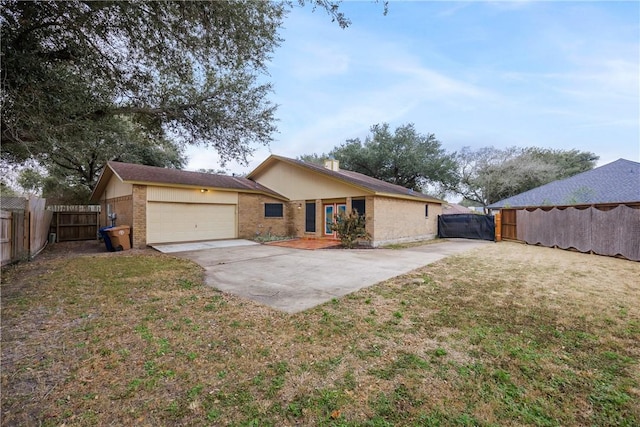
(330,212)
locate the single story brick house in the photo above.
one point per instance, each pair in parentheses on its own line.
(282,196)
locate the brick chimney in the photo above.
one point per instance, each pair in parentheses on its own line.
(332,164)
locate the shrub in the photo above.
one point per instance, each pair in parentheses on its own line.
(350,228)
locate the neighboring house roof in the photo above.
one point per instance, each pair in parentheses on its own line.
(454,209)
(152,175)
(355,179)
(616,182)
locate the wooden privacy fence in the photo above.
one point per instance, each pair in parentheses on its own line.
(24,233)
(14,241)
(604,230)
(79,222)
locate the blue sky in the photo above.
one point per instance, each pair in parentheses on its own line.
(521,73)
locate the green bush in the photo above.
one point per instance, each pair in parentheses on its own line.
(350,228)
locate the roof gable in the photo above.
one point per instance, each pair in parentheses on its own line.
(616,182)
(354,179)
(142,174)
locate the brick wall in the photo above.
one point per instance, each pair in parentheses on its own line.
(397,221)
(131,211)
(119,205)
(139,221)
(251,219)
(369,210)
(296,218)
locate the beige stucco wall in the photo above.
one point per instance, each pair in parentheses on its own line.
(397,221)
(296,183)
(116,188)
(190,195)
(251,219)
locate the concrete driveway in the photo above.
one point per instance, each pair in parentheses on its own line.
(294,280)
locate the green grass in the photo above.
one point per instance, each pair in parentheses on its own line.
(507,336)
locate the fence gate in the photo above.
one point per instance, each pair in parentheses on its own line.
(467,226)
(75,222)
(509,224)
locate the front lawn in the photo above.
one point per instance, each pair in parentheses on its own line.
(506,335)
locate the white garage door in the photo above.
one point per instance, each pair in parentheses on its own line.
(185,222)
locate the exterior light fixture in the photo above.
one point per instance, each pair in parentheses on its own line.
(203,190)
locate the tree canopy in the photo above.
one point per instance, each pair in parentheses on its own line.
(403,157)
(489,174)
(71,172)
(84,82)
(188,69)
(481,176)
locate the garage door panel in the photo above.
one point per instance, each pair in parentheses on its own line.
(183,222)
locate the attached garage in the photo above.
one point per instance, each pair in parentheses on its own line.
(183,222)
(190,214)
(168,205)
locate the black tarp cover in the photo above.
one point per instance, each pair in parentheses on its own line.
(466,226)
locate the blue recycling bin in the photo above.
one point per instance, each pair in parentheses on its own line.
(106,238)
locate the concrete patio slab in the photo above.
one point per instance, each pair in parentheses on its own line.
(294,280)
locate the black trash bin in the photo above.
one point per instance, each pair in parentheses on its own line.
(106,238)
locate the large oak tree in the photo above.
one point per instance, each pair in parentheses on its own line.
(402,156)
(188,69)
(77,75)
(488,175)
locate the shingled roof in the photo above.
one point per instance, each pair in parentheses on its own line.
(142,174)
(455,209)
(616,182)
(374,185)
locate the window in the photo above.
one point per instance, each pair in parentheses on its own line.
(310,217)
(359,205)
(426,211)
(273,210)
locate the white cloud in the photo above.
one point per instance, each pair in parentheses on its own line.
(552,84)
(450,11)
(317,61)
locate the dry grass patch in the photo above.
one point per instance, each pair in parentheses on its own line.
(504,335)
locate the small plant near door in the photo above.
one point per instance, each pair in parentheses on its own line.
(350,227)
